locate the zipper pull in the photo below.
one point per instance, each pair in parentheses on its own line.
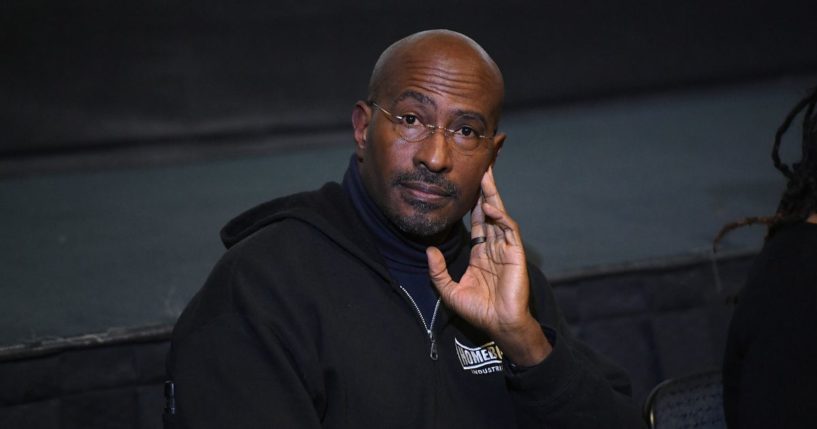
(433,353)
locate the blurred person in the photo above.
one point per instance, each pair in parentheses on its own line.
(770,363)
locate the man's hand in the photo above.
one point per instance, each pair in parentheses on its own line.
(493,293)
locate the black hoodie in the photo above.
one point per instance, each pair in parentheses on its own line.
(300,325)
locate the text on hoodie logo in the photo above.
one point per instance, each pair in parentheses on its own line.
(484,359)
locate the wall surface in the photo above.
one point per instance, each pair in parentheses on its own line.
(90,75)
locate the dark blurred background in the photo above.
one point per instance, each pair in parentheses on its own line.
(131,131)
(90,75)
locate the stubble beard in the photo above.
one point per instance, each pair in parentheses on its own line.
(422,222)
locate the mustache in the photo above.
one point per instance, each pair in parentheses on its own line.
(427,177)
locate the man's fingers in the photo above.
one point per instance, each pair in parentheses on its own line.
(438,271)
(502,225)
(496,223)
(477,219)
(490,193)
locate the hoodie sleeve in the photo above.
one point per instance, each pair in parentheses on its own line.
(573,387)
(231,368)
(226,378)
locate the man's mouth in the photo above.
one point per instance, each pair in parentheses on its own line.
(426,188)
(423,192)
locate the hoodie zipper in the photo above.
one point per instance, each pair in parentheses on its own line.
(428,327)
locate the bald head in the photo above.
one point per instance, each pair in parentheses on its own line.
(447,51)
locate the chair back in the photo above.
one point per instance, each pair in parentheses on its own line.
(692,401)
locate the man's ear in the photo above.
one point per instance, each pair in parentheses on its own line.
(499,140)
(361,117)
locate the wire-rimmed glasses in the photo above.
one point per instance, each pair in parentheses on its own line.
(466,137)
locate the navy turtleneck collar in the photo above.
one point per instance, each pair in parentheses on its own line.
(405,259)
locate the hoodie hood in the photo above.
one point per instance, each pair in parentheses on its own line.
(311,207)
(330,211)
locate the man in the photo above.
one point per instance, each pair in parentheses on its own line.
(369,304)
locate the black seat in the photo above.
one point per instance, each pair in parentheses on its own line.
(692,401)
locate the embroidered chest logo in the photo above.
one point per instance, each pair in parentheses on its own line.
(485,359)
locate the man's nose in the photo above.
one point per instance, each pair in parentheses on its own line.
(434,152)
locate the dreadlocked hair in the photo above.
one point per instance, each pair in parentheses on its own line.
(799,199)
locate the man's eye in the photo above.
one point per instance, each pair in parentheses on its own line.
(409,119)
(468,132)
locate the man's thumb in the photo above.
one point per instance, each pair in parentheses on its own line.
(438,270)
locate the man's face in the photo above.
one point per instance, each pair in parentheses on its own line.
(425,187)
